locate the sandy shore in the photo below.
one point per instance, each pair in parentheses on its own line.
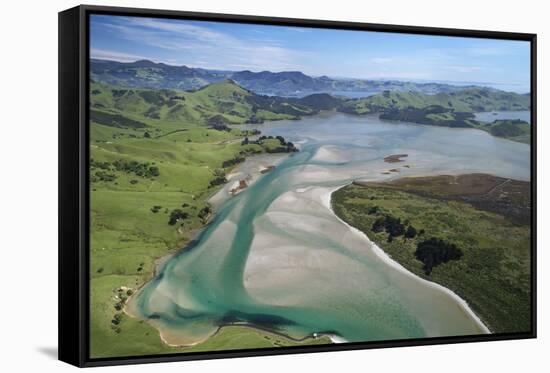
(326,198)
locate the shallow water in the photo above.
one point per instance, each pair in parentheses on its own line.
(275,256)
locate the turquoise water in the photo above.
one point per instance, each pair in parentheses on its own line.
(276,257)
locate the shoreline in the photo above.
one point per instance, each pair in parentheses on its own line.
(129,307)
(327,202)
(335,339)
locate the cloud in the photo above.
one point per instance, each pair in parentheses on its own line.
(103,54)
(189,42)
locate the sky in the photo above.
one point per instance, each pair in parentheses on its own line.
(502,64)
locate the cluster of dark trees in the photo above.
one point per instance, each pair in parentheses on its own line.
(139,169)
(103,176)
(102,165)
(219,177)
(177,215)
(233,161)
(145,169)
(205,212)
(286,146)
(392,225)
(218,122)
(177,98)
(435,251)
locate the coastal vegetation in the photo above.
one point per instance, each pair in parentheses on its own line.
(157,155)
(153,167)
(471,235)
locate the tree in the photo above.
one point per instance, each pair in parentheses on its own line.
(147,135)
(411,232)
(379,225)
(373,210)
(205,212)
(154,170)
(394,226)
(434,251)
(245,141)
(177,215)
(219,177)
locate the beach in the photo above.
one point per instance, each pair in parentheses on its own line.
(275,255)
(386,258)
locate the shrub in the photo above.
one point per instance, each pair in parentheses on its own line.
(411,232)
(176,215)
(205,212)
(434,251)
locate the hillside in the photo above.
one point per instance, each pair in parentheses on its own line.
(156,157)
(466,100)
(220,104)
(217,104)
(148,74)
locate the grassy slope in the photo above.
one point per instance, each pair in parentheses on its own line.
(515,130)
(467,100)
(493,275)
(232,103)
(226,102)
(126,236)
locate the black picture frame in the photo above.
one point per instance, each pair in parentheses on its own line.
(74,182)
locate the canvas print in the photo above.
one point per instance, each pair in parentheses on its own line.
(265,186)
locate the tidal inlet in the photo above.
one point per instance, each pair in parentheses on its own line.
(276,256)
(254,188)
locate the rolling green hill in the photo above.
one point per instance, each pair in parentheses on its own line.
(466,100)
(218,103)
(223,103)
(156,158)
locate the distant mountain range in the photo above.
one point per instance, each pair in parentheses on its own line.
(225,102)
(148,74)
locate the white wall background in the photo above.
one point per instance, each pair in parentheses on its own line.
(28,184)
